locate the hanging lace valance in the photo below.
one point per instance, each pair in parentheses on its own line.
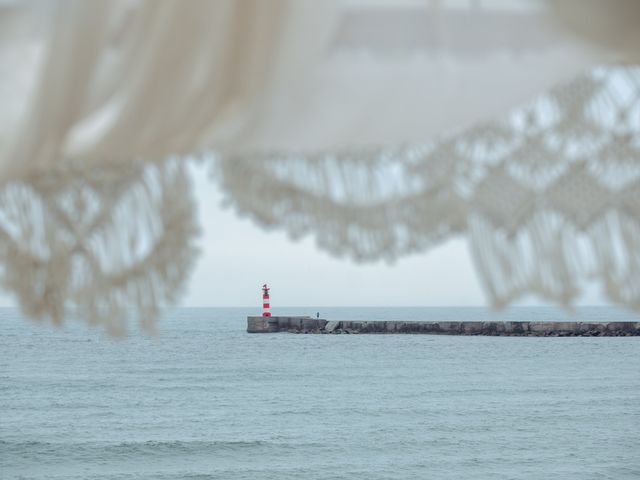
(548,197)
(110,244)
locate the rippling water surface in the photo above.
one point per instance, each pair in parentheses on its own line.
(205,400)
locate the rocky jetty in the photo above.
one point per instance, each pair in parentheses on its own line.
(303,324)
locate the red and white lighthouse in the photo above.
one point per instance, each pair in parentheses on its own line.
(265,301)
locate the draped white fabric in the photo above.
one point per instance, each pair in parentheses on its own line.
(383,128)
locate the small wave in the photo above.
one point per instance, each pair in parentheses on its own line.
(50,451)
(184,446)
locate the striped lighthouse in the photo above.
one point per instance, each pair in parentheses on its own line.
(265,301)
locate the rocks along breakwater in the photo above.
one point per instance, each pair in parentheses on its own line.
(302,324)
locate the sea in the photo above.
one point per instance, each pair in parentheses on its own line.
(203,399)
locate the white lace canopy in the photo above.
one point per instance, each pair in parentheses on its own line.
(380,128)
(548,196)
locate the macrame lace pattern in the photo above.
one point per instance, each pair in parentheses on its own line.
(107,244)
(548,197)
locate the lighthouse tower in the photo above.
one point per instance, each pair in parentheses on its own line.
(265,301)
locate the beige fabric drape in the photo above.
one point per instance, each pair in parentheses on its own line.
(126,80)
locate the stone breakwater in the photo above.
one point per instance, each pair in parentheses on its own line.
(504,328)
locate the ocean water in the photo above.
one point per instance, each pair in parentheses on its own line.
(205,400)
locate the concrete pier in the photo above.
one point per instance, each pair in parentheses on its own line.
(505,328)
